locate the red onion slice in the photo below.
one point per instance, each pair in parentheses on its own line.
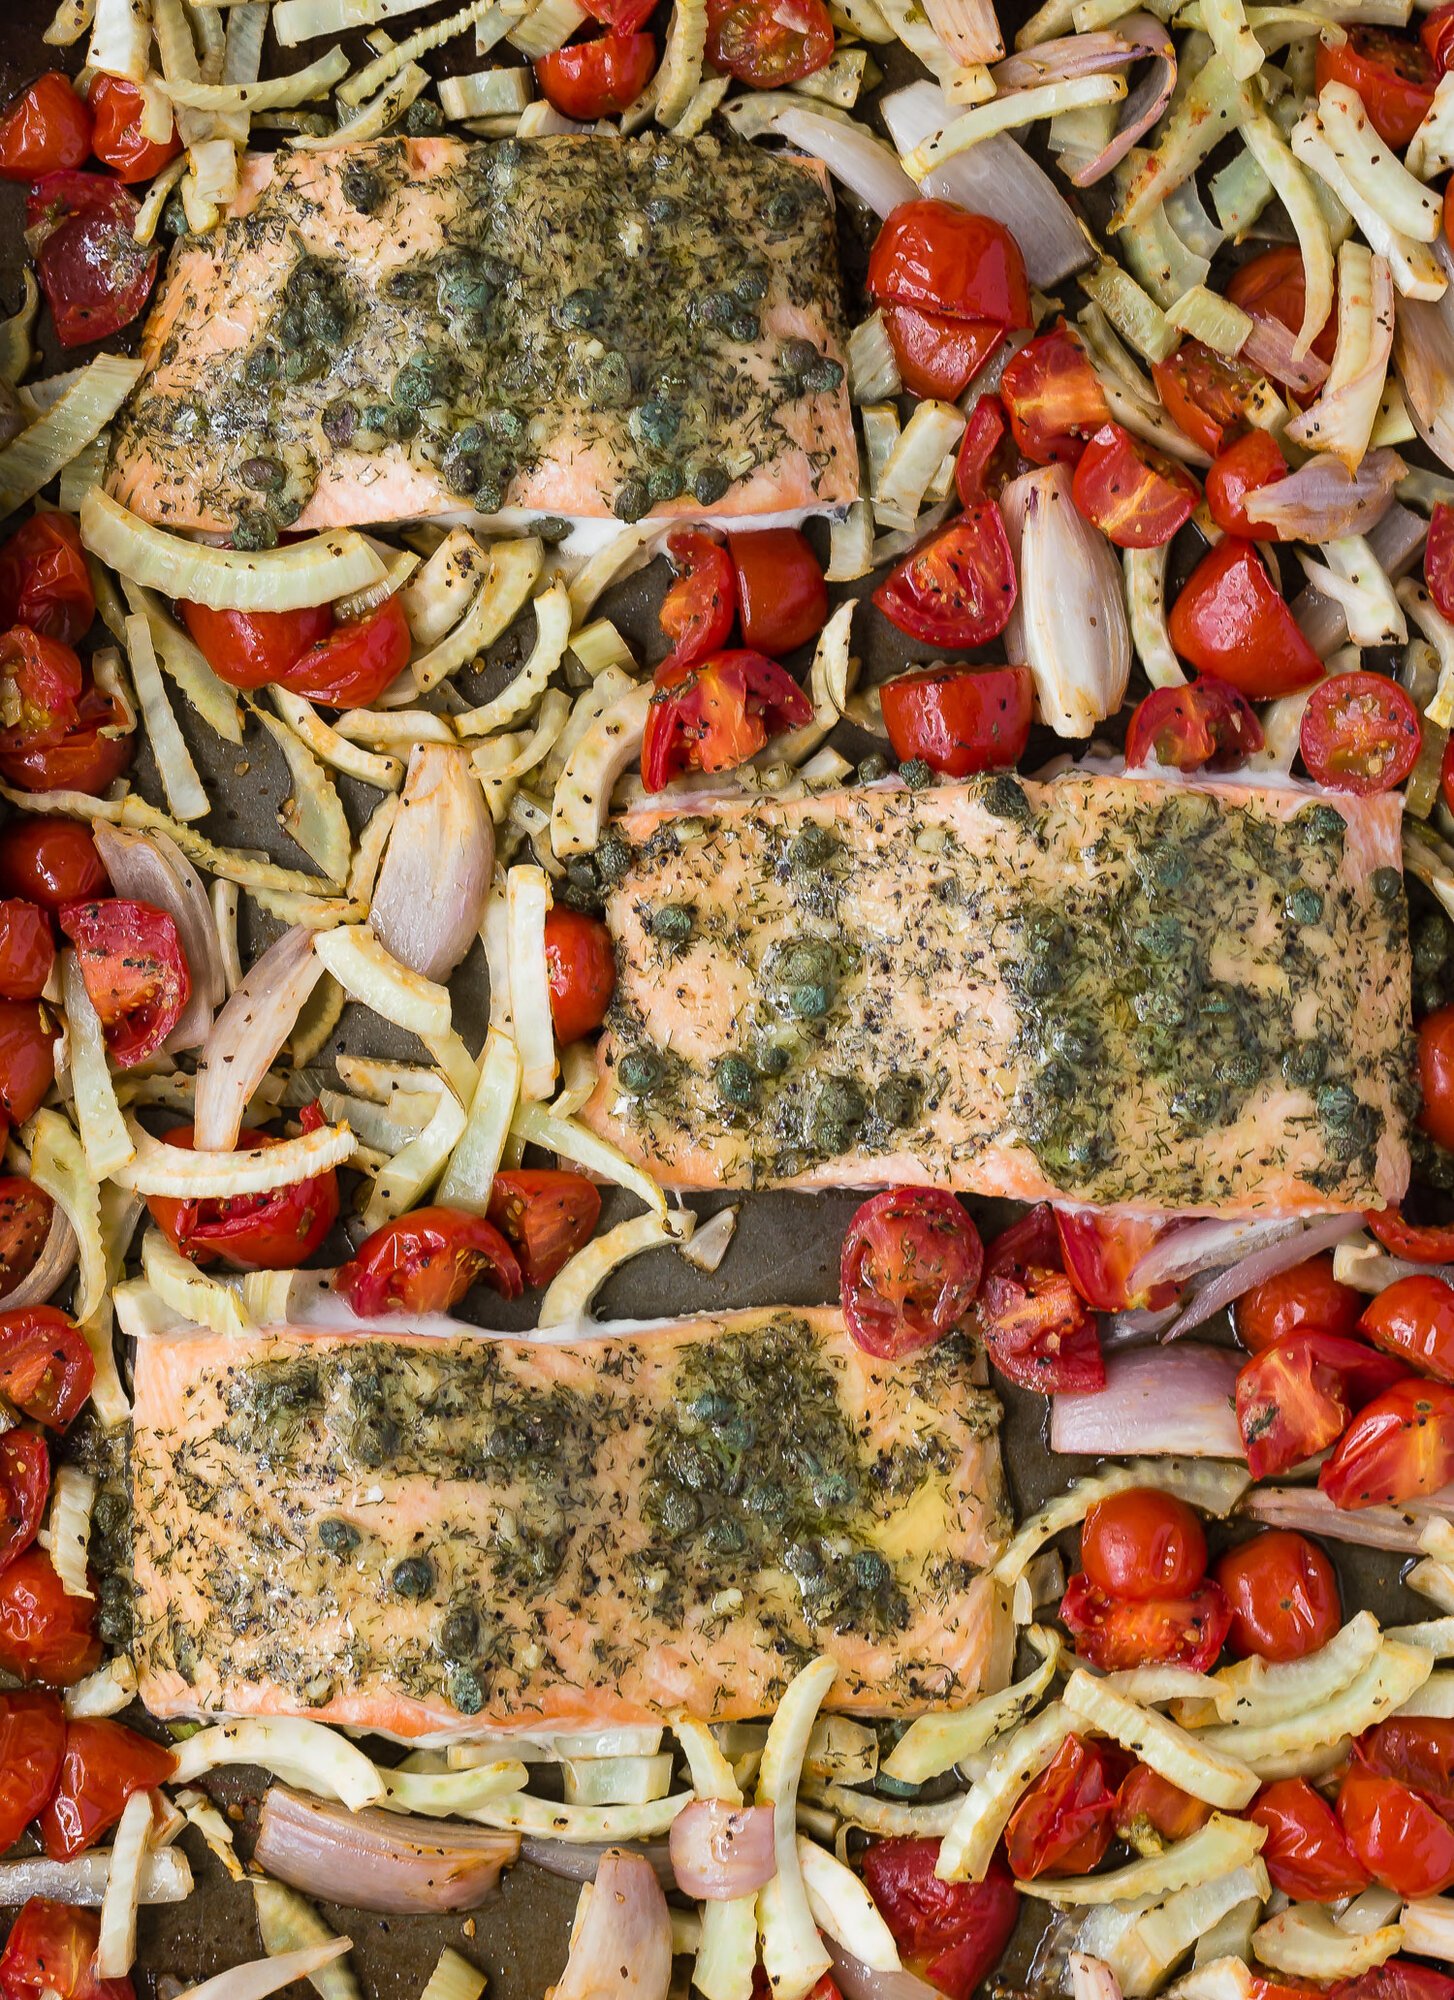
(1148,37)
(857,1981)
(1423,353)
(1092,1979)
(54,1264)
(1269,347)
(431,888)
(1311,1512)
(863,164)
(1064,58)
(1173,1400)
(1263,1263)
(374,1860)
(1323,499)
(1396,542)
(151,868)
(248,1034)
(721,1851)
(1202,1245)
(622,1947)
(578,1860)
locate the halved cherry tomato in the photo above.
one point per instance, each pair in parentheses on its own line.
(717,714)
(352,666)
(247,649)
(942,259)
(1137,497)
(104,1763)
(1396,1978)
(1439,557)
(950,1933)
(1295,1397)
(45,130)
(1399,1447)
(982,450)
(546,1213)
(25,1220)
(599,79)
(32,1738)
(1284,1595)
(40,686)
(1232,620)
(581,962)
(1036,1328)
(909,1270)
(1360,733)
(1273,285)
(46,1368)
(1151,1811)
(118,141)
(769,43)
(1421,1243)
(625,16)
(1114,1632)
(24,1488)
(696,613)
(1208,725)
(1142,1543)
(1398,1837)
(1446,773)
(44,1634)
(1436,32)
(1306,1851)
(1436,1074)
(52,1949)
(960,720)
(49,861)
(937,354)
(958,587)
(94,273)
(252,1232)
(27,1058)
(1102,1249)
(135,970)
(94,751)
(426,1261)
(781,596)
(1392,74)
(1307,1298)
(1064,1823)
(44,582)
(1207,396)
(1419,1752)
(1414,1319)
(27,949)
(1053,398)
(1247,464)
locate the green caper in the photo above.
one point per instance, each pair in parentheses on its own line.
(1303,1064)
(459,1632)
(1337,1105)
(824,376)
(1170,867)
(260,366)
(751,283)
(803,1561)
(614,856)
(377,417)
(1196,1105)
(339,421)
(896,1101)
(870,1570)
(839,1104)
(735,1081)
(660,208)
(584,307)
(771,1058)
(340,1538)
(872,767)
(744,326)
(781,210)
(714,1406)
(797,356)
(916,774)
(1303,905)
(1321,823)
(632,500)
(725,1537)
(422,117)
(656,421)
(680,1512)
(252,529)
(1006,798)
(462,1685)
(1387,884)
(174,217)
(413,385)
(802,961)
(608,381)
(709,483)
(640,1071)
(663,483)
(363,189)
(811,848)
(413,1577)
(301,364)
(1240,1069)
(673,922)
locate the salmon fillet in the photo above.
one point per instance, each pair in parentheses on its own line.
(577,326)
(1161,996)
(427,1535)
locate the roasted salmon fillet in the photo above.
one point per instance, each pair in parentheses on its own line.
(427,1535)
(1120,990)
(575,326)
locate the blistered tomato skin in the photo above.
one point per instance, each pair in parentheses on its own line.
(1143,1543)
(1284,1596)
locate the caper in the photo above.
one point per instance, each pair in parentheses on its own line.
(263,475)
(735,1081)
(1303,1064)
(326,320)
(673,922)
(640,1072)
(551,528)
(725,1537)
(872,767)
(463,1687)
(832,1487)
(656,421)
(870,1570)
(613,857)
(490,493)
(1197,1104)
(690,1466)
(1337,1105)
(260,366)
(771,1058)
(459,1632)
(709,483)
(811,848)
(663,483)
(803,1561)
(1387,884)
(824,376)
(464,291)
(632,500)
(339,421)
(660,208)
(608,381)
(339,1537)
(252,530)
(715,308)
(839,1104)
(1321,823)
(781,211)
(1431,941)
(744,326)
(680,1512)
(1170,867)
(584,307)
(363,189)
(174,217)
(916,774)
(1303,905)
(374,1440)
(413,385)
(413,1577)
(1006,798)
(896,1101)
(797,356)
(300,364)
(1241,1069)
(377,417)
(108,1516)
(714,1406)
(422,117)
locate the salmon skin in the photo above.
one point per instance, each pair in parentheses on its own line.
(574,326)
(431,1535)
(1117,990)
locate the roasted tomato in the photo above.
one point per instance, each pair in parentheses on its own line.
(135,970)
(27,949)
(1398,1836)
(94,751)
(1115,1632)
(46,1368)
(252,1232)
(51,1949)
(1284,1596)
(1308,1298)
(1273,285)
(546,1213)
(957,588)
(352,666)
(1137,497)
(949,1933)
(1396,1979)
(104,1763)
(937,354)
(49,861)
(44,1634)
(1248,464)
(1036,1328)
(1306,1852)
(25,1221)
(1399,1447)
(769,45)
(44,582)
(45,130)
(1421,1243)
(987,453)
(1205,726)
(1143,1543)
(960,720)
(697,612)
(1232,620)
(247,649)
(118,140)
(1419,1752)
(782,600)
(40,691)
(1439,557)
(1064,1823)
(1295,1397)
(426,1261)
(1053,398)
(1207,396)
(581,964)
(27,1058)
(940,258)
(94,273)
(909,1271)
(32,1738)
(24,1488)
(1151,1811)
(1360,733)
(1102,1252)
(1393,75)
(717,714)
(1436,1074)
(599,79)
(1414,1319)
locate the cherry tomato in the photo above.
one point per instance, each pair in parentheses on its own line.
(104,1763)
(1360,733)
(581,963)
(32,1738)
(1284,1596)
(599,79)
(940,258)
(1064,1823)
(1035,1326)
(356,662)
(1248,464)
(93,753)
(1232,620)
(1306,1851)
(1392,74)
(1419,1752)
(717,714)
(42,683)
(251,1232)
(782,598)
(1399,1447)
(937,354)
(909,1271)
(1143,1543)
(1053,398)
(546,1213)
(25,1220)
(44,582)
(1115,1632)
(1151,1811)
(135,970)
(1207,396)
(1414,1319)
(1137,497)
(247,649)
(46,1368)
(1273,285)
(958,587)
(1436,1074)
(49,861)
(1395,1979)
(950,1933)
(768,43)
(24,1489)
(52,1949)
(1208,725)
(696,613)
(1439,557)
(426,1261)
(1399,1838)
(94,273)
(27,1058)
(960,720)
(44,1634)
(625,16)
(118,141)
(1306,1298)
(1421,1243)
(1436,32)
(1102,1249)
(46,130)
(27,949)
(1295,1397)
(984,453)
